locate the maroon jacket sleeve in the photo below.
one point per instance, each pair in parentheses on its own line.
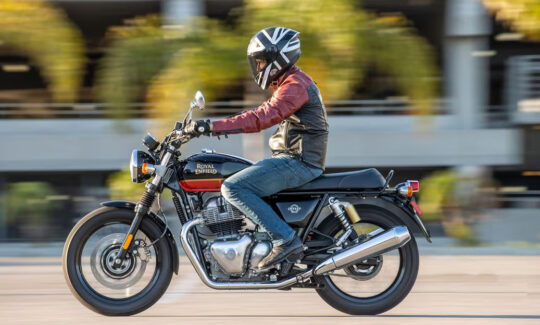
(285,101)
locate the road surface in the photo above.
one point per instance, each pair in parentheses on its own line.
(449,290)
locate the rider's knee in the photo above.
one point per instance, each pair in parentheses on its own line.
(229,190)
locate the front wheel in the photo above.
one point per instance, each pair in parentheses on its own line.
(377,284)
(88,262)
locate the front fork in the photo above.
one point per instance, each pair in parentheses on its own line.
(142,208)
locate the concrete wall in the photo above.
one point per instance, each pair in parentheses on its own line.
(355,141)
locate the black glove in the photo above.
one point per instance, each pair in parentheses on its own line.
(200,127)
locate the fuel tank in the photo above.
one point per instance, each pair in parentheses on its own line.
(205,172)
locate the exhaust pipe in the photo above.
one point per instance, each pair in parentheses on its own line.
(380,244)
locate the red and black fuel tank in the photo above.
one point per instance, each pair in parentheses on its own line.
(205,172)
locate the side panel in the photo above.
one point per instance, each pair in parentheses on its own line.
(131,206)
(297,212)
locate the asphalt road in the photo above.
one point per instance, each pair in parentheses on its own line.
(449,290)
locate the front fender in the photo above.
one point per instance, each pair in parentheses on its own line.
(170,239)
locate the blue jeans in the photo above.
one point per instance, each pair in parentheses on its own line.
(269,176)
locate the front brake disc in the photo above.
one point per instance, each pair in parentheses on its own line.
(102,259)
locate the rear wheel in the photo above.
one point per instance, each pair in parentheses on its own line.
(88,262)
(375,285)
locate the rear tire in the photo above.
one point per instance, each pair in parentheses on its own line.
(393,295)
(82,290)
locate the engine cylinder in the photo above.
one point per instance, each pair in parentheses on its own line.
(221,217)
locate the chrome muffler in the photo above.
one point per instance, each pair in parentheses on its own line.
(380,244)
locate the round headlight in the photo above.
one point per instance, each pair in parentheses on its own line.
(141,166)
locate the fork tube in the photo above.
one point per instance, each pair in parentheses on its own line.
(142,208)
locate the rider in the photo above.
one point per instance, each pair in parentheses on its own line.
(298,145)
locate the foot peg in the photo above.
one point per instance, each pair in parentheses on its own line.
(288,263)
(294,258)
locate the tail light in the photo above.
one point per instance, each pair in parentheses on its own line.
(408,188)
(415,185)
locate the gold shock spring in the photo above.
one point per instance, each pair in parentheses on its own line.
(351,212)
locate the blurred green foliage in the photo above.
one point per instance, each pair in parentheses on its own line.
(43,33)
(440,202)
(338,48)
(521,15)
(214,61)
(122,188)
(29,203)
(457,201)
(437,192)
(138,52)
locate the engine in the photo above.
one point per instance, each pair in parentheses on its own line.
(232,247)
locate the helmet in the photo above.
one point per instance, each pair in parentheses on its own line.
(279,46)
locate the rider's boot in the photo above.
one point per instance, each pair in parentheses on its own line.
(282,252)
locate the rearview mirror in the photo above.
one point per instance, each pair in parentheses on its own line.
(199,100)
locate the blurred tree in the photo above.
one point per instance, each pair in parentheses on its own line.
(43,33)
(339,41)
(521,15)
(121,187)
(457,201)
(139,50)
(440,203)
(28,210)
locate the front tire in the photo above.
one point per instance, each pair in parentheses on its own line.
(394,294)
(86,292)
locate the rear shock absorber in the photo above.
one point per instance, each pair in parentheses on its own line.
(345,212)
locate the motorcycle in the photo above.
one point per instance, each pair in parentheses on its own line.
(359,254)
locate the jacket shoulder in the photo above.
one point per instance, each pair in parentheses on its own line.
(299,77)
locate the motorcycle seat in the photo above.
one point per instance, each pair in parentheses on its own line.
(369,178)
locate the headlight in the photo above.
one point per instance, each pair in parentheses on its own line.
(141,166)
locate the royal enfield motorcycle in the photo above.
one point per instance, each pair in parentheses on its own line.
(359,254)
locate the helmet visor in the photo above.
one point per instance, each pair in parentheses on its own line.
(258,66)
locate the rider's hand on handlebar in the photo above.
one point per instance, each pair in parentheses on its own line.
(197,128)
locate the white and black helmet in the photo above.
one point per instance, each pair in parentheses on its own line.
(279,46)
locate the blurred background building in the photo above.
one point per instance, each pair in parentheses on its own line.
(59,157)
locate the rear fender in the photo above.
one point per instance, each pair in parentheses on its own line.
(170,239)
(410,219)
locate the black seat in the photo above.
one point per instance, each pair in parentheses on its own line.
(360,179)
